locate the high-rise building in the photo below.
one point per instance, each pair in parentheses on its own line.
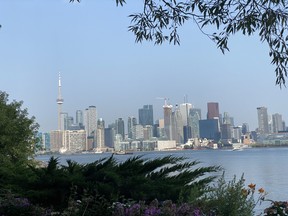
(213,110)
(74,140)
(209,129)
(46,141)
(132,121)
(177,125)
(184,110)
(146,115)
(226,131)
(263,127)
(60,101)
(109,134)
(56,140)
(245,128)
(194,118)
(79,118)
(147,132)
(138,132)
(64,121)
(100,134)
(236,134)
(277,123)
(168,121)
(226,118)
(120,128)
(91,120)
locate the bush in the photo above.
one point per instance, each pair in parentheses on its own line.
(232,198)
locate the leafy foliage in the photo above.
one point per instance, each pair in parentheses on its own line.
(159,22)
(105,179)
(17,132)
(231,198)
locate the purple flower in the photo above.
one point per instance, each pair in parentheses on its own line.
(133,210)
(152,211)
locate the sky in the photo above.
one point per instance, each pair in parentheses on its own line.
(101,65)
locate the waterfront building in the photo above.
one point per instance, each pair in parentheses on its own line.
(184,110)
(74,141)
(213,110)
(90,121)
(45,137)
(109,134)
(236,134)
(187,133)
(165,145)
(100,143)
(194,117)
(56,140)
(277,123)
(137,132)
(117,140)
(263,127)
(168,121)
(226,133)
(245,128)
(209,129)
(177,125)
(132,121)
(135,145)
(146,115)
(161,130)
(149,145)
(120,127)
(147,132)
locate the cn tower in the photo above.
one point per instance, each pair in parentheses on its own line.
(59,102)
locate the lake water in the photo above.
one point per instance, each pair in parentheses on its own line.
(265,167)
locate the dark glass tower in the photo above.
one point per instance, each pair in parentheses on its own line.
(146,115)
(120,129)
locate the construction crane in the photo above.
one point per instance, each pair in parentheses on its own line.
(165,100)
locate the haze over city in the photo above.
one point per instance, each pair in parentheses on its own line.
(101,65)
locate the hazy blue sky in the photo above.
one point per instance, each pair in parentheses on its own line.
(102,65)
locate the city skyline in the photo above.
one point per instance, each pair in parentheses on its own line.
(102,65)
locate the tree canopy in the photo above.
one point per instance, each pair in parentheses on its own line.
(159,21)
(17,131)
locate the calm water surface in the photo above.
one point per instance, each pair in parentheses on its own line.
(265,167)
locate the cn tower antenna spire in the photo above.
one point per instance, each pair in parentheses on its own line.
(59,102)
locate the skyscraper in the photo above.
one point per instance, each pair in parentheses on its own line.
(213,110)
(168,120)
(79,118)
(64,121)
(132,121)
(120,129)
(91,120)
(263,126)
(184,110)
(194,118)
(146,115)
(100,134)
(277,122)
(60,101)
(245,128)
(177,125)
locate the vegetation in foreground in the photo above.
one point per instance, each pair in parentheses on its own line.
(167,186)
